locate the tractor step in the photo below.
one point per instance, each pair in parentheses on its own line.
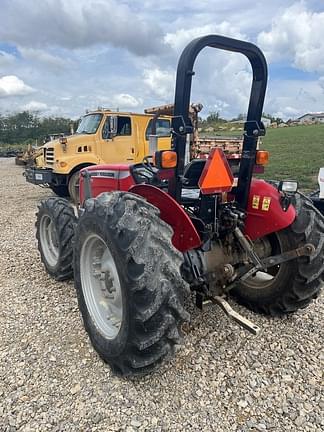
(235,316)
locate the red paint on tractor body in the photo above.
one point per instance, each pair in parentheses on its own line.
(107,178)
(264,212)
(185,235)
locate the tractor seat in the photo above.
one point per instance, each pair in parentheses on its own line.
(192,173)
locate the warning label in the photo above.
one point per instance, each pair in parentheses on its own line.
(266,203)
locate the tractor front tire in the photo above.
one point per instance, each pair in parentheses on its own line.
(128,282)
(293,284)
(55,227)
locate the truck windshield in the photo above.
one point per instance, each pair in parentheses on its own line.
(89,124)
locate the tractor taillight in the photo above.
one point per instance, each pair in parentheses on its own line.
(165,159)
(262,157)
(217,176)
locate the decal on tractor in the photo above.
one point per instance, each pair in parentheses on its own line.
(255,201)
(266,203)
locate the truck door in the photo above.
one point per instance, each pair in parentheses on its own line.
(117,146)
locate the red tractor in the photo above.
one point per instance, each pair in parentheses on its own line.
(146,235)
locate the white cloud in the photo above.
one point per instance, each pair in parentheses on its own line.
(296,35)
(84,53)
(11,85)
(77,23)
(292,98)
(41,56)
(159,82)
(222,80)
(124,100)
(181,37)
(6,58)
(34,106)
(220,105)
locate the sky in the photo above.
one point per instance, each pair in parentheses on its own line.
(63,57)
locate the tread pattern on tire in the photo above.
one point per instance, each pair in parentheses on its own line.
(62,212)
(156,290)
(308,279)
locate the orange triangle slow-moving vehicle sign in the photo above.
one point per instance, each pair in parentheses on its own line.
(217,176)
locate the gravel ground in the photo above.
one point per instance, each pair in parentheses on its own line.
(222,379)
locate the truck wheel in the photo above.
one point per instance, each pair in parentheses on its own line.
(61,191)
(73,187)
(128,282)
(55,226)
(291,285)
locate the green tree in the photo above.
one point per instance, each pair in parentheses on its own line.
(27,127)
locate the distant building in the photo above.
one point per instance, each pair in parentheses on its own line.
(312,118)
(266,121)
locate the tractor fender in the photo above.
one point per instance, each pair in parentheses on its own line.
(265,214)
(185,235)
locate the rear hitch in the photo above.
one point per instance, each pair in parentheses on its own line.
(307,250)
(235,316)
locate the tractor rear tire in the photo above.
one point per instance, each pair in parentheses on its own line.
(128,282)
(294,283)
(55,227)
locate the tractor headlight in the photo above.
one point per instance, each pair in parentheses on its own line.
(288,186)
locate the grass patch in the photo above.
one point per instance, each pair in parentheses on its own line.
(295,153)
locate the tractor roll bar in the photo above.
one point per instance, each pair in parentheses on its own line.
(253,126)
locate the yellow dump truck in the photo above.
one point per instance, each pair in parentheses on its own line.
(103,136)
(106,136)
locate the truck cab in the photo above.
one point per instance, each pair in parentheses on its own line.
(103,136)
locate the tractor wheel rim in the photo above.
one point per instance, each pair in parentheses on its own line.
(101,286)
(49,240)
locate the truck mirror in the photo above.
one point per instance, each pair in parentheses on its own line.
(113,124)
(153,144)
